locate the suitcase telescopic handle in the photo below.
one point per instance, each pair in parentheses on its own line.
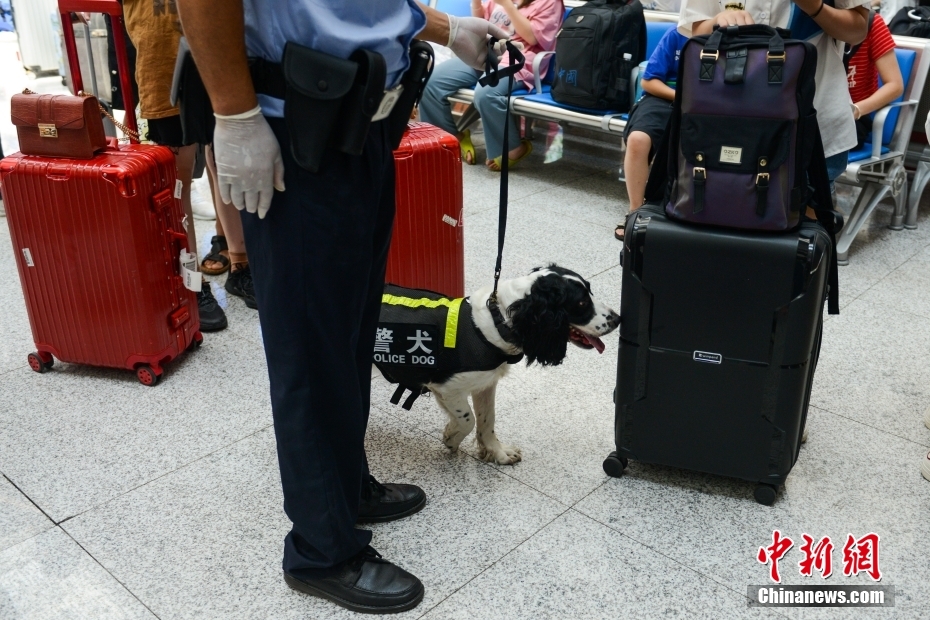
(115,10)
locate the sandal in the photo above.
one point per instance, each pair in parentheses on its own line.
(468,149)
(620,231)
(494,165)
(217,246)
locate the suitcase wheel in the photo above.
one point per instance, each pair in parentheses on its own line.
(40,365)
(147,376)
(765,493)
(614,465)
(196,341)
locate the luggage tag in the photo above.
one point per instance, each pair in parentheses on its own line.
(193,279)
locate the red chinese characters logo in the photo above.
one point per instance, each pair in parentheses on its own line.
(774,552)
(861,556)
(816,557)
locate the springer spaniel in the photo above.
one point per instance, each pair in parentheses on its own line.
(539,314)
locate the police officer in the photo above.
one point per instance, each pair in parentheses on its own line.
(318,252)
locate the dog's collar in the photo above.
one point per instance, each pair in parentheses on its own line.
(499,321)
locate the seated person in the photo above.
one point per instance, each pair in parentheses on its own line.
(874,57)
(649,117)
(533,24)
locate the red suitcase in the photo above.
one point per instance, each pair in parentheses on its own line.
(428,250)
(97,244)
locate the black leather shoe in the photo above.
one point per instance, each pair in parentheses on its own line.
(366,584)
(389,502)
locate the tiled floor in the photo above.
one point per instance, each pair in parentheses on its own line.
(119,501)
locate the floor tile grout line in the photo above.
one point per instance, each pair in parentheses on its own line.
(517,546)
(657,551)
(893,269)
(167,473)
(495,562)
(123,585)
(874,428)
(491,465)
(39,508)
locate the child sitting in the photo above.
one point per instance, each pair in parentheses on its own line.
(872,58)
(649,117)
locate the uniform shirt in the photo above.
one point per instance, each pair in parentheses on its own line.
(663,64)
(337,27)
(834,107)
(863,74)
(545,18)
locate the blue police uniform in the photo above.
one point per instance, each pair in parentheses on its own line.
(319,259)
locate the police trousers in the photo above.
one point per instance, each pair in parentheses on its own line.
(318,260)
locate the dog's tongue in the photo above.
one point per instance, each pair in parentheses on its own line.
(594,341)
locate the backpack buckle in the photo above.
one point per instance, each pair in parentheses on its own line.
(762,176)
(705,55)
(703,172)
(769,56)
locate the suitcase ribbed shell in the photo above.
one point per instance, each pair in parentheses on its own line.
(98,258)
(428,250)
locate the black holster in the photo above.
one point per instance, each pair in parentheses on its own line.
(329,102)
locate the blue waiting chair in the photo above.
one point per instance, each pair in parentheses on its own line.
(878,167)
(541,105)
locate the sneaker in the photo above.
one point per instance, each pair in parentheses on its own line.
(925,467)
(212,317)
(202,202)
(239,283)
(388,502)
(365,583)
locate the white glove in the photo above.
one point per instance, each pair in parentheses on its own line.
(248,161)
(468,39)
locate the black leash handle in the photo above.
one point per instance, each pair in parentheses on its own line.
(492,76)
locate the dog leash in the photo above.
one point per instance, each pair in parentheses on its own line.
(492,76)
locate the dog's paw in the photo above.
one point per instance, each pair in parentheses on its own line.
(452,437)
(502,454)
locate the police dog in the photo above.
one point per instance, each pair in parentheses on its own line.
(542,312)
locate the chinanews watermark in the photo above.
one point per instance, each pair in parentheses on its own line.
(858,556)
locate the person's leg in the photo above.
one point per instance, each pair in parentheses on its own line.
(836,165)
(239,281)
(185,162)
(636,167)
(316,256)
(209,265)
(446,79)
(491,102)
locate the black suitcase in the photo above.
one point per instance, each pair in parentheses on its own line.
(719,341)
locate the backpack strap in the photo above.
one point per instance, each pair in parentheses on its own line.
(831,220)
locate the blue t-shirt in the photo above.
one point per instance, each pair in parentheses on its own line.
(337,27)
(663,64)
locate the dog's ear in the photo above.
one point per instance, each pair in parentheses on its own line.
(541,323)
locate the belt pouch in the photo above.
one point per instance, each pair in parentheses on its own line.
(317,85)
(362,102)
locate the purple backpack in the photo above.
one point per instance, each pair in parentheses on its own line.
(743,149)
(743,132)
